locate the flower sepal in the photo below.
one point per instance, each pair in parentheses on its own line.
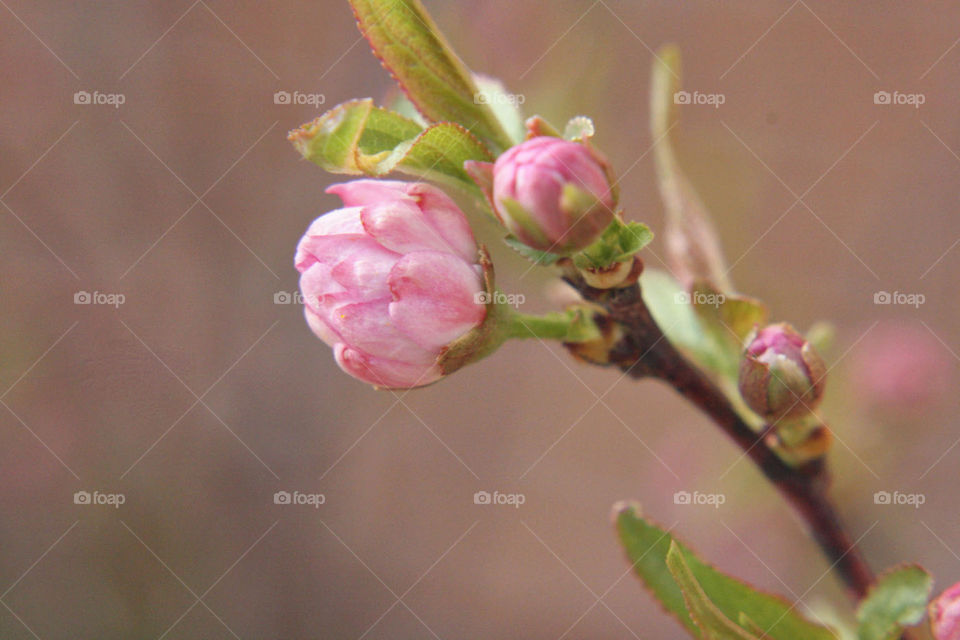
(576,325)
(609,262)
(486,337)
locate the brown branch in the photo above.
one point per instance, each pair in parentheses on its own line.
(643,351)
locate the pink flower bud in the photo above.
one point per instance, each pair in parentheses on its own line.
(945,614)
(781,374)
(390,280)
(553,194)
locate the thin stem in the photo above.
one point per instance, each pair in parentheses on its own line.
(643,351)
(551,326)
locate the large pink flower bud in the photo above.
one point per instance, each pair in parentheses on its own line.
(945,614)
(391,280)
(553,194)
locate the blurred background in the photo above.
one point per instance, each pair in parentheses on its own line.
(190,388)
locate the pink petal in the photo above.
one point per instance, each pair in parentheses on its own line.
(945,614)
(358,263)
(337,222)
(447,219)
(384,373)
(317,284)
(363,192)
(401,226)
(320,327)
(435,297)
(367,326)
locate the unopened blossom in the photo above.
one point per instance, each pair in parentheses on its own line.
(945,614)
(781,374)
(530,198)
(390,280)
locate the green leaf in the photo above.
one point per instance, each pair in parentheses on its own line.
(535,256)
(619,242)
(693,248)
(647,547)
(898,600)
(670,306)
(358,138)
(729,318)
(403,35)
(744,621)
(705,614)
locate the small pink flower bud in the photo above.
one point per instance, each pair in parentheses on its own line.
(945,614)
(391,280)
(781,374)
(553,194)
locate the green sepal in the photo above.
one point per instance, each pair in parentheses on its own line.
(542,258)
(524,220)
(619,242)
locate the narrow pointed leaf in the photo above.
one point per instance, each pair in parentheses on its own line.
(693,248)
(403,35)
(705,614)
(647,546)
(729,318)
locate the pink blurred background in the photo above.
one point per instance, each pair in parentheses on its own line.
(199,397)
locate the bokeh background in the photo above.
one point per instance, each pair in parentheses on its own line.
(200,396)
